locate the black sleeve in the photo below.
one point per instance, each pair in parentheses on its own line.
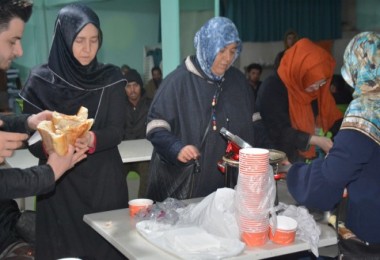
(112,134)
(18,183)
(335,127)
(15,123)
(35,149)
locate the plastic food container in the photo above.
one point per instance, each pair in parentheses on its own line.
(138,204)
(285,232)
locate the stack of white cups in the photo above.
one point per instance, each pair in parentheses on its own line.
(255,194)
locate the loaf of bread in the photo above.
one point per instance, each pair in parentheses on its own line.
(63,130)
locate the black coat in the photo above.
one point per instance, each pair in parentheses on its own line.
(183,103)
(136,118)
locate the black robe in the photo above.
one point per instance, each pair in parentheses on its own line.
(93,185)
(97,183)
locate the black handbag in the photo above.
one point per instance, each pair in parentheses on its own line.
(170,180)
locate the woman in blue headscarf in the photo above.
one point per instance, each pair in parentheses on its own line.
(354,160)
(193,103)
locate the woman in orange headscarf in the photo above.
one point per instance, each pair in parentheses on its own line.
(296,101)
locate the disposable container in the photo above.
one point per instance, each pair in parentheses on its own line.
(285,232)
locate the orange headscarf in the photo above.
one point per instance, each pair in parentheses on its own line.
(302,65)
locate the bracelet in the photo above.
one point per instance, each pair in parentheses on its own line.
(92,138)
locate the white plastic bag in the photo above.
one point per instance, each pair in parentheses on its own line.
(206,230)
(215,213)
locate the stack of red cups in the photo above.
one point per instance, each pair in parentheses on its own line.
(254,195)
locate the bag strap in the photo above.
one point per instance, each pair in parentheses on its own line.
(197,166)
(204,135)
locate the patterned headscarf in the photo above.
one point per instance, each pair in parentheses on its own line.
(361,70)
(216,34)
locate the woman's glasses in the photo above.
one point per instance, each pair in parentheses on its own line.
(315,86)
(322,84)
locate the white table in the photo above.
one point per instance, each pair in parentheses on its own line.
(21,159)
(135,150)
(119,229)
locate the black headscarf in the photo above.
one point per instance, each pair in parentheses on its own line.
(63,78)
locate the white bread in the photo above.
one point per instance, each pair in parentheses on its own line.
(63,130)
(52,140)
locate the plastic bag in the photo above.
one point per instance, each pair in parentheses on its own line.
(254,200)
(215,213)
(307,229)
(204,230)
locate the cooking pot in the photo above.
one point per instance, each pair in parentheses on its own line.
(229,164)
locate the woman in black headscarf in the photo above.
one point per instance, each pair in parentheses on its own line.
(72,78)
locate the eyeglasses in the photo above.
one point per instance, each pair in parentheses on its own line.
(315,86)
(322,83)
(319,85)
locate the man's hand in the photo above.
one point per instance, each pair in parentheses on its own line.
(35,119)
(61,164)
(10,142)
(188,153)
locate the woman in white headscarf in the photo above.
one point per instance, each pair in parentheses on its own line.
(193,103)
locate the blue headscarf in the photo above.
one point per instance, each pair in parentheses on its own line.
(361,70)
(215,35)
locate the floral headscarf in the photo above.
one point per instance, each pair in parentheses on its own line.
(361,70)
(216,34)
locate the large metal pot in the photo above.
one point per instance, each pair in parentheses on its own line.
(229,166)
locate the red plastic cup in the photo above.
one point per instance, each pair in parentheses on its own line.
(255,239)
(285,232)
(138,204)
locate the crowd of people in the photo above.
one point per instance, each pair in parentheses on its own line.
(181,116)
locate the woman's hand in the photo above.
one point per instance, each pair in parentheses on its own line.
(323,142)
(188,153)
(85,141)
(60,164)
